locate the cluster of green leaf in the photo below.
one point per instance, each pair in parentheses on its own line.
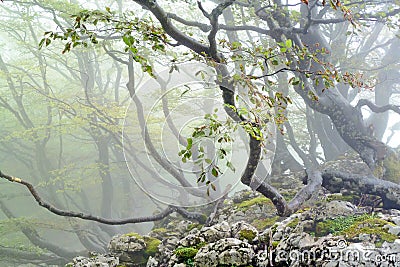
(282,55)
(220,133)
(133,31)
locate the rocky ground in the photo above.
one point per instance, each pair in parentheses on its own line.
(331,230)
(333,233)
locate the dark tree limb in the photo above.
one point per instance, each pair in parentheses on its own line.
(170,29)
(264,188)
(213,17)
(206,28)
(334,181)
(377,109)
(277,199)
(314,182)
(170,209)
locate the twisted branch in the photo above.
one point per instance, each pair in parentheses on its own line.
(170,209)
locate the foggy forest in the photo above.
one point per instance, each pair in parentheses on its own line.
(199,133)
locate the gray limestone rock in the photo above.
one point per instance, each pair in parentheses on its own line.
(228,251)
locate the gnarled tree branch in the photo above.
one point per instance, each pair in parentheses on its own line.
(388,191)
(375,108)
(170,209)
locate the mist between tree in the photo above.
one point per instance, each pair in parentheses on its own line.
(119,114)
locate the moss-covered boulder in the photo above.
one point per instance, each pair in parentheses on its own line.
(332,227)
(133,249)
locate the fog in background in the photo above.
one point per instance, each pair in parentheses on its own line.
(70,127)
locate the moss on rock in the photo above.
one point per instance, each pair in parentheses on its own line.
(337,225)
(186,252)
(293,223)
(194,225)
(133,234)
(262,224)
(373,227)
(355,225)
(159,230)
(352,198)
(254,201)
(247,234)
(151,245)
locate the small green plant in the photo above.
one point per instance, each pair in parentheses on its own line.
(249,235)
(218,131)
(275,243)
(186,254)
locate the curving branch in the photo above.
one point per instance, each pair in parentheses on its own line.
(375,108)
(170,209)
(147,139)
(388,191)
(170,29)
(213,17)
(206,28)
(314,182)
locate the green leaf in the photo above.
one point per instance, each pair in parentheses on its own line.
(289,43)
(188,154)
(295,81)
(189,143)
(230,166)
(201,178)
(213,187)
(41,43)
(214,172)
(186,90)
(236,77)
(236,45)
